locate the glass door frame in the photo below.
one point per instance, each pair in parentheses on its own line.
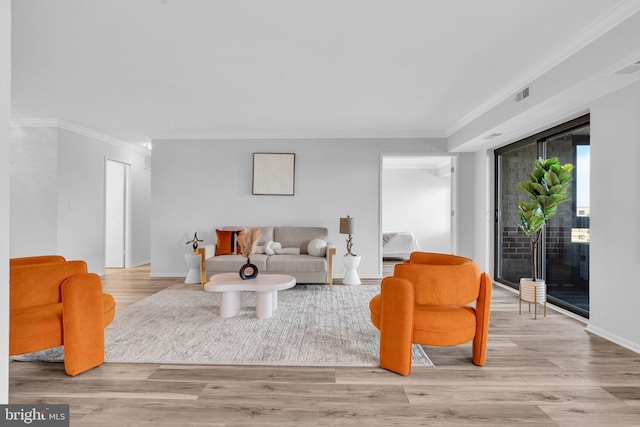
(539,140)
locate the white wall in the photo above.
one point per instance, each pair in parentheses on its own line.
(479,187)
(418,200)
(81,199)
(61,174)
(34,191)
(5,115)
(200,185)
(615,230)
(467,211)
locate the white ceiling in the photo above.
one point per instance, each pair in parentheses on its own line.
(145,69)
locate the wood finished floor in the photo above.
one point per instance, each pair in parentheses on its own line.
(545,372)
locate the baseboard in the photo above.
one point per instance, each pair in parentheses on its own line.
(362,277)
(180,275)
(140,263)
(609,336)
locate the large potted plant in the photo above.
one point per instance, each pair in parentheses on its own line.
(547,187)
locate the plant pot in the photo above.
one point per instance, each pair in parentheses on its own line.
(248,271)
(533,292)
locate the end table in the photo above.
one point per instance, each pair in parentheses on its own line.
(193,262)
(351,263)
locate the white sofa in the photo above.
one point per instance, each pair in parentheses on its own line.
(306,268)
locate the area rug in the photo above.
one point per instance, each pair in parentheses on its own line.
(314,325)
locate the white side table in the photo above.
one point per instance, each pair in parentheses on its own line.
(193,262)
(351,263)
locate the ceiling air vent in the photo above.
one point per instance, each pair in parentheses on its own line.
(522,94)
(493,135)
(629,69)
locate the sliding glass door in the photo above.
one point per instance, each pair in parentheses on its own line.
(564,249)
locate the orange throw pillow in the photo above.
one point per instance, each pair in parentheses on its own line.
(227,242)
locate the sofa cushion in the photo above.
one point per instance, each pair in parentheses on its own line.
(266,233)
(227,242)
(295,263)
(298,237)
(288,251)
(227,263)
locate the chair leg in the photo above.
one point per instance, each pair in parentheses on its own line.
(395,352)
(83,323)
(479,349)
(396,325)
(481,337)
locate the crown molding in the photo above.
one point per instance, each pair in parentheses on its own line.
(63,124)
(592,32)
(297,135)
(35,123)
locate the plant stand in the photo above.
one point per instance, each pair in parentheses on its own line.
(533,292)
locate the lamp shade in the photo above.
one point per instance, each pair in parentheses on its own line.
(347,225)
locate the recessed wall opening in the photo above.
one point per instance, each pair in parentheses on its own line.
(417,204)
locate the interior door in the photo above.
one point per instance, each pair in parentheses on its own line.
(115,221)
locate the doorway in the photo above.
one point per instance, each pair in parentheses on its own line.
(418,204)
(116,214)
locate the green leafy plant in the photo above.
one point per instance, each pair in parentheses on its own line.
(547,187)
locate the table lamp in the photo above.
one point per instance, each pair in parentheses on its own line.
(348,226)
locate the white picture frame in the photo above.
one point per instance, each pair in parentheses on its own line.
(274,174)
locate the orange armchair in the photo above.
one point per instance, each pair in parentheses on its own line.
(56,302)
(41,259)
(427,301)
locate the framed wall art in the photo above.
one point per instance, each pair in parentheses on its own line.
(274,173)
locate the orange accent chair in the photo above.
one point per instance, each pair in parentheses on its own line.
(426,301)
(56,302)
(30,260)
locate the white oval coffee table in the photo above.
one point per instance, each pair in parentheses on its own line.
(266,287)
